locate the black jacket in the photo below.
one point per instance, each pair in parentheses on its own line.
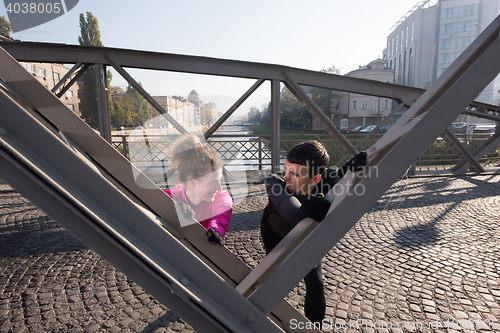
(281,211)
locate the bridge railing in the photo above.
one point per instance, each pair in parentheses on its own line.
(253,152)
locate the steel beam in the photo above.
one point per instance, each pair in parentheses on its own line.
(233,108)
(139,189)
(102,102)
(73,80)
(487,112)
(387,118)
(275,125)
(319,115)
(460,150)
(126,229)
(475,68)
(56,206)
(144,94)
(61,53)
(464,164)
(65,77)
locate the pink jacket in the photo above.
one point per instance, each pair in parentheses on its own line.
(215,214)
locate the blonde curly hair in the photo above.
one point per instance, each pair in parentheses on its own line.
(191,158)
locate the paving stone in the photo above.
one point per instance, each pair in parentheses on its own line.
(341,314)
(428,250)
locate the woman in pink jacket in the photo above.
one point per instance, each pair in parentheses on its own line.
(200,172)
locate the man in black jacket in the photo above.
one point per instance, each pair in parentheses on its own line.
(300,194)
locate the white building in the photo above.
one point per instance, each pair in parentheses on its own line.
(183,111)
(429,38)
(357,109)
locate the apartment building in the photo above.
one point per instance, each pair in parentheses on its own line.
(357,109)
(424,43)
(49,75)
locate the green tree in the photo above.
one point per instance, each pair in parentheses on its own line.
(131,109)
(118,115)
(5,27)
(90,36)
(89,28)
(293,113)
(254,115)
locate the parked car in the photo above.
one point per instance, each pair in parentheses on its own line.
(368,129)
(346,129)
(461,128)
(356,129)
(383,129)
(484,129)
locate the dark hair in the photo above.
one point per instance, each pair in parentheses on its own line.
(311,154)
(191,158)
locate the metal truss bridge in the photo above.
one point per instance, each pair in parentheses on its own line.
(58,162)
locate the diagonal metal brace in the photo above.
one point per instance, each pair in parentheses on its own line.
(462,152)
(317,113)
(144,94)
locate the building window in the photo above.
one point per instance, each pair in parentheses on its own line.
(469,10)
(397,42)
(467,26)
(402,36)
(400,67)
(55,76)
(364,104)
(69,93)
(466,41)
(71,107)
(412,30)
(404,67)
(443,58)
(392,47)
(354,105)
(444,43)
(386,104)
(406,40)
(41,72)
(410,68)
(30,68)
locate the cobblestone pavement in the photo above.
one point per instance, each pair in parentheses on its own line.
(425,258)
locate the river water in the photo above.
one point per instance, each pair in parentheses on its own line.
(242,154)
(239,153)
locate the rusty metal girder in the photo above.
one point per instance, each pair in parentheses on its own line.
(61,53)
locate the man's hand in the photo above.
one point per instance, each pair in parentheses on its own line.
(315,207)
(357,162)
(214,237)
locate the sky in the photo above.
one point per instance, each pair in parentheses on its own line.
(310,35)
